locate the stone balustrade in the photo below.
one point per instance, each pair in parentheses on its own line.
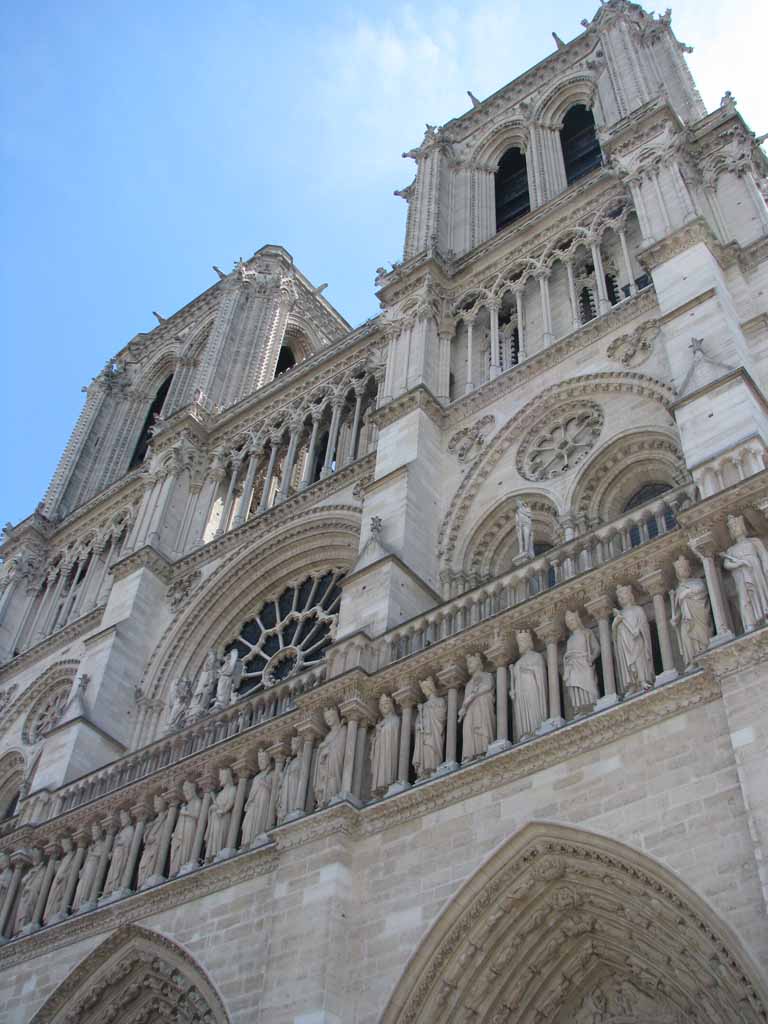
(644,618)
(580,555)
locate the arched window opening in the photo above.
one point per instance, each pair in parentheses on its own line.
(512,197)
(140,451)
(286,360)
(587,309)
(11,806)
(322,451)
(578,138)
(641,497)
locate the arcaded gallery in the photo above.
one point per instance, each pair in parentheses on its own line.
(418,672)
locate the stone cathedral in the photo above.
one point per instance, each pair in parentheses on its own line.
(418,672)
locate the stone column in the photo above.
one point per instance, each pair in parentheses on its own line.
(600,608)
(288,461)
(653,583)
(551,633)
(140,814)
(110,829)
(470,385)
(51,851)
(309,730)
(274,442)
(207,784)
(337,404)
(500,654)
(575,318)
(236,459)
(604,303)
(245,771)
(407,697)
(19,861)
(354,711)
(359,385)
(493,310)
(245,498)
(451,678)
(627,262)
(705,546)
(546,309)
(306,477)
(522,350)
(444,337)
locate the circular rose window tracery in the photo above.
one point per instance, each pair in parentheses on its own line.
(46,713)
(560,441)
(289,634)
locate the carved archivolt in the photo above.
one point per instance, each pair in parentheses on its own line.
(625,465)
(46,713)
(585,388)
(493,543)
(55,676)
(554,446)
(558,923)
(12,769)
(135,977)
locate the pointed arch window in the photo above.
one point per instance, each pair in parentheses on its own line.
(140,451)
(286,360)
(578,138)
(512,196)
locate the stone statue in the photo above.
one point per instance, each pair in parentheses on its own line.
(30,888)
(690,612)
(90,869)
(219,815)
(477,712)
(330,759)
(206,682)
(152,834)
(54,905)
(257,808)
(632,643)
(581,652)
(121,849)
(384,747)
(186,825)
(430,730)
(182,694)
(524,524)
(528,687)
(230,673)
(6,874)
(747,559)
(290,783)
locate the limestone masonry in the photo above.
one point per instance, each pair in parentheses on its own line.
(418,673)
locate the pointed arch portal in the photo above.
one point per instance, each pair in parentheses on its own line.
(561,926)
(135,977)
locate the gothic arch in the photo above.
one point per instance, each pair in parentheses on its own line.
(561,925)
(324,537)
(484,551)
(135,977)
(502,137)
(622,466)
(589,386)
(59,672)
(556,103)
(13,766)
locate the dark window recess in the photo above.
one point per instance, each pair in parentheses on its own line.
(612,287)
(322,450)
(512,197)
(146,431)
(286,360)
(581,150)
(587,305)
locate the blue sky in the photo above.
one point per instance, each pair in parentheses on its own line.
(143,142)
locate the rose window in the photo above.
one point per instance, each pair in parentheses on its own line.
(290,633)
(46,713)
(560,442)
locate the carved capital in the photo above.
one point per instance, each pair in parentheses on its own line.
(453,675)
(705,544)
(654,582)
(600,607)
(408,695)
(499,652)
(549,630)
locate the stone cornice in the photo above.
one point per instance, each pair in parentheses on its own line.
(395,560)
(419,397)
(145,558)
(738,374)
(713,511)
(203,882)
(739,655)
(517,376)
(755,326)
(693,233)
(61,638)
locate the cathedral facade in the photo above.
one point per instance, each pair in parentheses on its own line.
(418,672)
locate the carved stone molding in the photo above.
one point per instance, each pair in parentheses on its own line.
(466,444)
(419,397)
(635,348)
(559,441)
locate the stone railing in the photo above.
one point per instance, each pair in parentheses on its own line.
(252,710)
(579,555)
(179,805)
